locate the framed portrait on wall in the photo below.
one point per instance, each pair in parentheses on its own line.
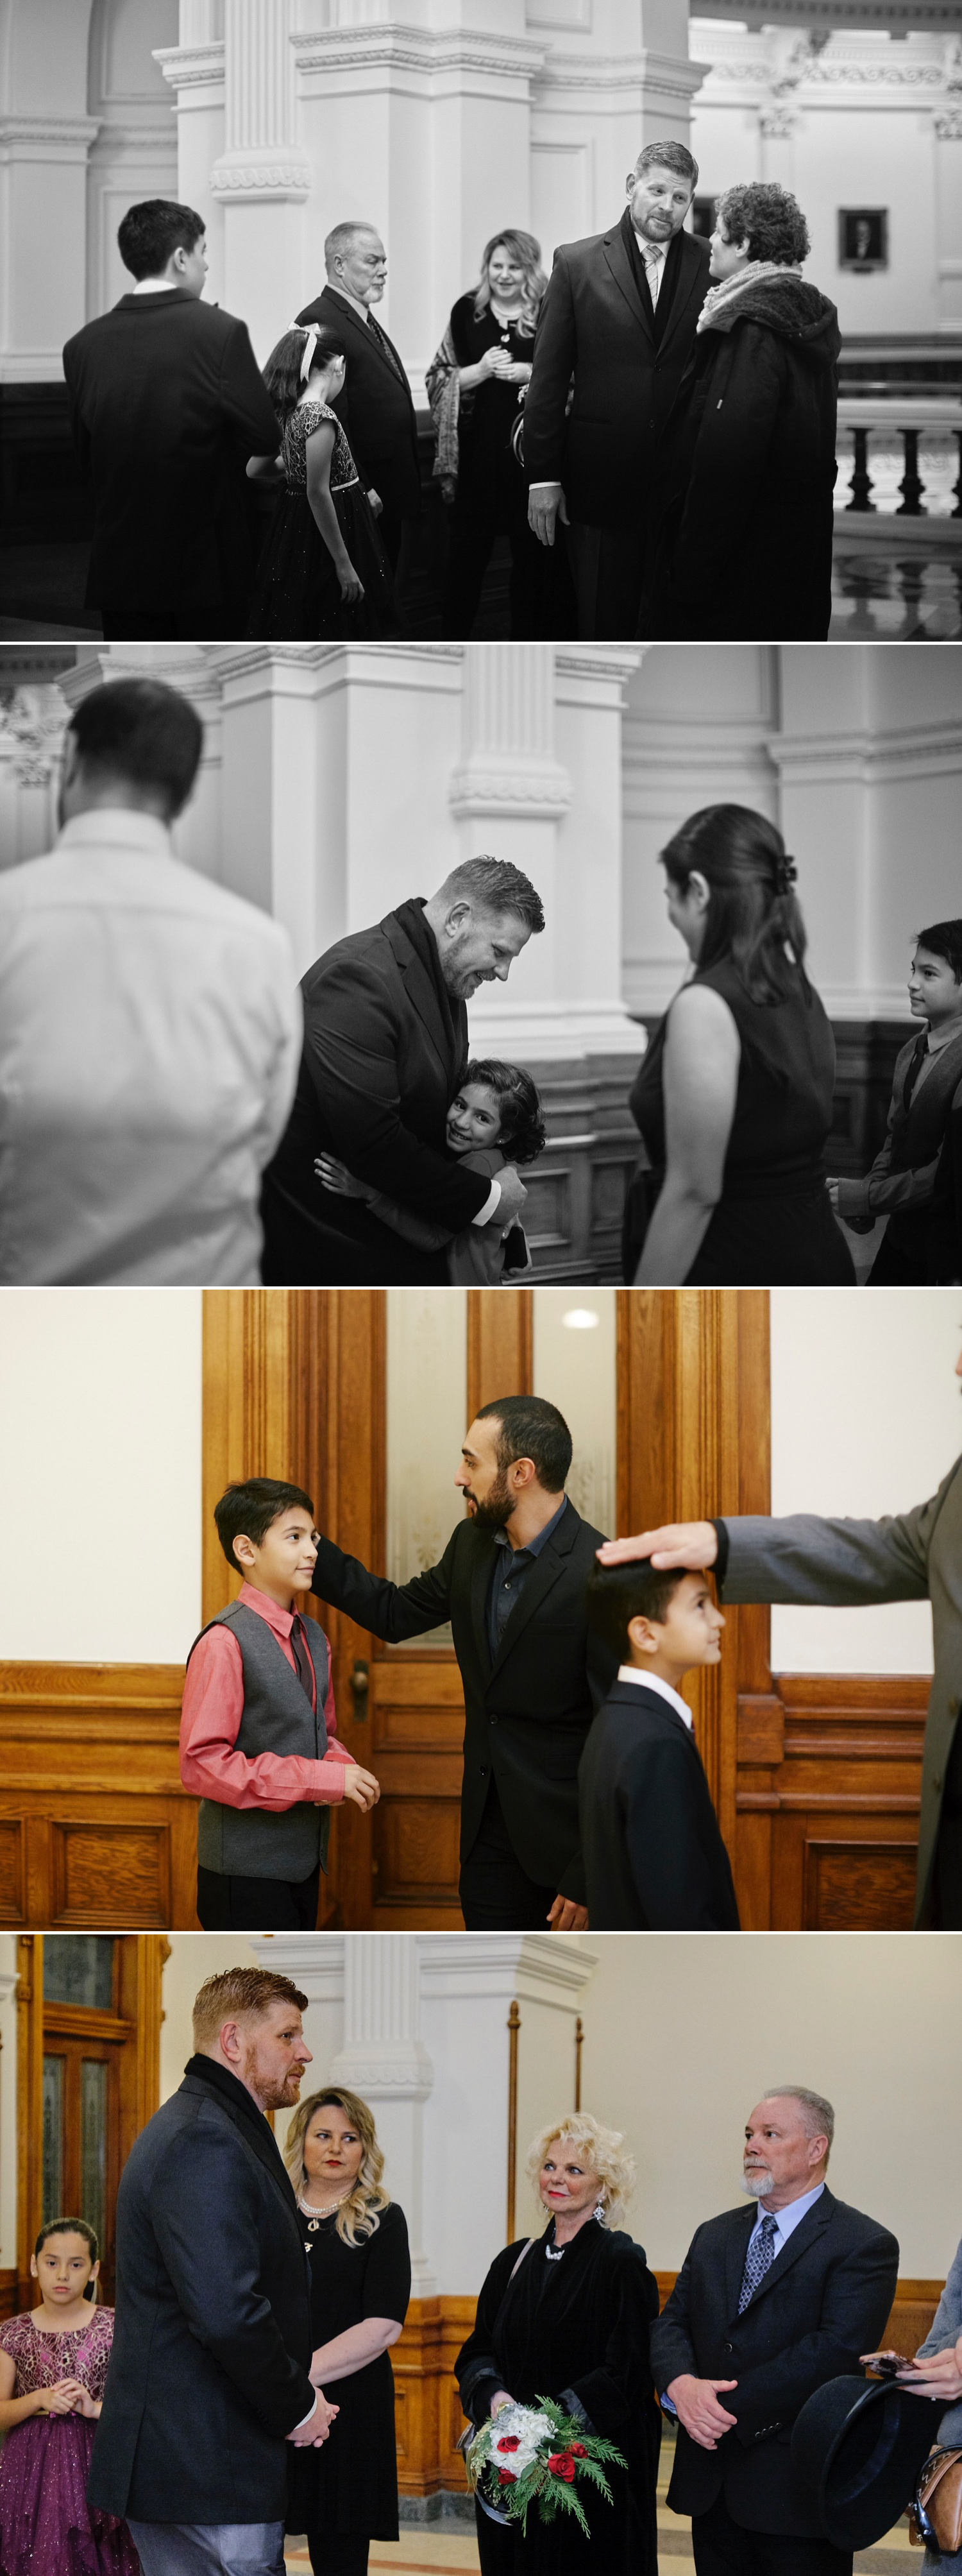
(863,239)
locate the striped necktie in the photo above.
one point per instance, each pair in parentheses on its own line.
(385,346)
(758,2260)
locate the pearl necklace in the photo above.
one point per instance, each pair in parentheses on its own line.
(314,2215)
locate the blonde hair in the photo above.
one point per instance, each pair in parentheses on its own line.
(359,2214)
(523,248)
(604,2151)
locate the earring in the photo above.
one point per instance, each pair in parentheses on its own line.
(599,2211)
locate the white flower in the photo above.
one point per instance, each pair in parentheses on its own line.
(527,2428)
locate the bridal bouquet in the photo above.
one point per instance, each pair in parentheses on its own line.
(529,2455)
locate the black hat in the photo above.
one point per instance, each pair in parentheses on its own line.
(860,2444)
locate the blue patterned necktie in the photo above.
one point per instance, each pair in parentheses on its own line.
(758,2260)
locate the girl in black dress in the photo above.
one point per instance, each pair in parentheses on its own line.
(568,2315)
(476,386)
(345,2495)
(734,1096)
(323,570)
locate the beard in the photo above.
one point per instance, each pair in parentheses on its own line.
(756,2184)
(498,1505)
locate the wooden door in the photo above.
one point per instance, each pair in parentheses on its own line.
(88,2077)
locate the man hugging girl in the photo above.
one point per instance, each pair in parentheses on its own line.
(494,1123)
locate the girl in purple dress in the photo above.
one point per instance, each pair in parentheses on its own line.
(53,2370)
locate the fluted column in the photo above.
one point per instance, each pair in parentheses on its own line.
(262,176)
(383,2058)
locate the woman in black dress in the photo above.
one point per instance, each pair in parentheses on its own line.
(734,1096)
(323,571)
(476,386)
(568,2316)
(345,2495)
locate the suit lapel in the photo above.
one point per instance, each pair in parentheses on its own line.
(686,285)
(483,1554)
(619,261)
(353,321)
(812,2225)
(545,1572)
(419,988)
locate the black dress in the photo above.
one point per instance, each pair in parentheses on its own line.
(350,2486)
(575,2330)
(297,594)
(491,497)
(773,1226)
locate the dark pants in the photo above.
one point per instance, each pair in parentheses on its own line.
(496,1893)
(342,2554)
(126,618)
(607,564)
(722,2548)
(481,511)
(256,1904)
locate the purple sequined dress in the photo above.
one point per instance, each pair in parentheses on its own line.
(46,2525)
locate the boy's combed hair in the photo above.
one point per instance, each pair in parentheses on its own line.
(142,731)
(944,939)
(150,233)
(240,1994)
(619,1593)
(522,1132)
(282,374)
(249,1511)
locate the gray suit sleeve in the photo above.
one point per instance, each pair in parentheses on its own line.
(804,1559)
(947,2322)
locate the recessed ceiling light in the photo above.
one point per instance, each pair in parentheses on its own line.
(580,1319)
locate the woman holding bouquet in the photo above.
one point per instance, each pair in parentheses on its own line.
(567,2316)
(356,2240)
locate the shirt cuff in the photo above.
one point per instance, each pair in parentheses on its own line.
(305,2419)
(720,1568)
(544,487)
(491,1204)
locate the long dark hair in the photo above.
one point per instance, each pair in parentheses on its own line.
(282,374)
(522,1129)
(753,914)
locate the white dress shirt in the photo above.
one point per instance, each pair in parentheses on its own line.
(150,1032)
(653,1681)
(786,2220)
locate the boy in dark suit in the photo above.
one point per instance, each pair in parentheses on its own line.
(258,1740)
(654,1858)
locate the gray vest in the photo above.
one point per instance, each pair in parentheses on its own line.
(252,1842)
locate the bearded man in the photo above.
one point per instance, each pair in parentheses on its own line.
(209,2373)
(513,1583)
(385,1051)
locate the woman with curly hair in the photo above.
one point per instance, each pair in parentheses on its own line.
(356,2241)
(494,1123)
(745,537)
(568,2315)
(734,1096)
(476,386)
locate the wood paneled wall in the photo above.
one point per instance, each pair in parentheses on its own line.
(95,1829)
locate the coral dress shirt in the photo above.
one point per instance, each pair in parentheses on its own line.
(213,1705)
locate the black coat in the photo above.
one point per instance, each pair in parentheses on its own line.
(376,407)
(596,326)
(167,403)
(826,2299)
(654,1858)
(528,1712)
(580,2330)
(212,2329)
(384,1051)
(745,544)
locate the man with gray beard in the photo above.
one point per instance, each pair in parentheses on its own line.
(769,2304)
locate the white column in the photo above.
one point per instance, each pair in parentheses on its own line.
(43,233)
(383,2058)
(194,70)
(32,726)
(262,177)
(698,732)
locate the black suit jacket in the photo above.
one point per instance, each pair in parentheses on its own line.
(826,2299)
(378,1071)
(167,403)
(212,2333)
(376,407)
(597,327)
(528,1712)
(654,1858)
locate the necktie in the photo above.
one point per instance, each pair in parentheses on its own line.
(758,2260)
(385,347)
(915,1068)
(305,1668)
(653,264)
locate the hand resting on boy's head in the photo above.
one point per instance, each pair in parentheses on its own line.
(691,1543)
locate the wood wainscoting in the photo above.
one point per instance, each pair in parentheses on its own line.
(95,1829)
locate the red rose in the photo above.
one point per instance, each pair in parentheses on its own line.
(562,2465)
(577,2451)
(508,2442)
(506,2478)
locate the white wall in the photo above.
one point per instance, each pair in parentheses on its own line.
(866,1419)
(100,1473)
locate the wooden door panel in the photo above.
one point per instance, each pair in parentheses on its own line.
(828,1787)
(416,1849)
(12,1870)
(860,1885)
(118,1874)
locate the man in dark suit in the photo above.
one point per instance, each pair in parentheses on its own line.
(375,403)
(619,317)
(385,1048)
(209,2373)
(654,1857)
(167,403)
(767,2307)
(512,1581)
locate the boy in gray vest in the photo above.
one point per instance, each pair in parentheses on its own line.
(258,1740)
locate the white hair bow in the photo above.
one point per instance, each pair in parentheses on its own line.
(310,345)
